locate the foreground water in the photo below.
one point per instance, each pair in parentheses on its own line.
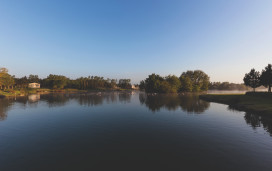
(131,131)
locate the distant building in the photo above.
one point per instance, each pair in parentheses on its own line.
(34,85)
(134,87)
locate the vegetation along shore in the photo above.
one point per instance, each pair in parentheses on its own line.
(254,102)
(12,86)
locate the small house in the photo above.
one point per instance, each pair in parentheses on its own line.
(34,85)
(134,87)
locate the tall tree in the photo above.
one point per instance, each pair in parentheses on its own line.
(142,85)
(252,79)
(125,83)
(186,84)
(56,81)
(153,83)
(266,77)
(199,79)
(6,80)
(22,82)
(174,83)
(3,71)
(33,78)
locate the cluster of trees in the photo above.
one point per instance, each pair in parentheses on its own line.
(84,83)
(190,81)
(59,82)
(254,79)
(6,80)
(124,83)
(227,86)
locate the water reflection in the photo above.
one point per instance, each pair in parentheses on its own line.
(118,130)
(62,99)
(189,103)
(125,97)
(256,121)
(5,104)
(34,97)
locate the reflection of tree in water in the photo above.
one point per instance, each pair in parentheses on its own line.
(94,99)
(156,102)
(259,121)
(97,99)
(111,97)
(23,100)
(124,97)
(5,104)
(54,100)
(189,103)
(192,104)
(61,99)
(90,100)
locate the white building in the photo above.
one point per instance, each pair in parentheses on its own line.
(34,85)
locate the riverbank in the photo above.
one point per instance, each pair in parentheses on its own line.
(257,103)
(21,92)
(24,92)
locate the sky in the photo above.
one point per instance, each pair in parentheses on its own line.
(135,38)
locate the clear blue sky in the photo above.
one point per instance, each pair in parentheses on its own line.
(134,38)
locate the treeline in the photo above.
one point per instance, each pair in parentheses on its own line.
(227,86)
(60,82)
(256,79)
(190,81)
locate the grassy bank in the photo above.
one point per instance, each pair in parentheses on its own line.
(258,103)
(23,92)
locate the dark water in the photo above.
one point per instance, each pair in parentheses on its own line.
(130,131)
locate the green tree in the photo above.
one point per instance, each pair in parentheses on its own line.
(33,78)
(142,85)
(3,72)
(252,79)
(266,77)
(21,82)
(153,83)
(113,83)
(199,79)
(186,84)
(165,87)
(6,80)
(56,81)
(124,83)
(174,83)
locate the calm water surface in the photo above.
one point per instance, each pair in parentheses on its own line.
(131,131)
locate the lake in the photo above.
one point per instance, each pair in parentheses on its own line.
(131,131)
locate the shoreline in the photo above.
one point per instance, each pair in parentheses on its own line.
(13,93)
(256,103)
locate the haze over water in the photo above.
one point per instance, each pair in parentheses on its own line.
(131,131)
